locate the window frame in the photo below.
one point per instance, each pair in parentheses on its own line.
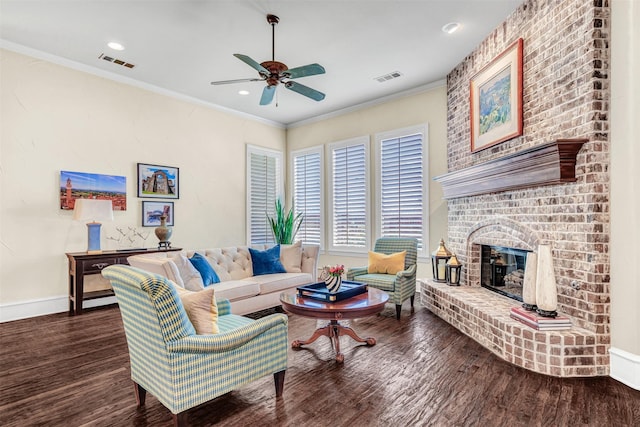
(331,147)
(279,185)
(318,149)
(395,134)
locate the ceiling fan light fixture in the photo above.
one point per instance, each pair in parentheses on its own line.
(115,46)
(451,27)
(243,92)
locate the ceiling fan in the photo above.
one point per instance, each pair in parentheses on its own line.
(274,73)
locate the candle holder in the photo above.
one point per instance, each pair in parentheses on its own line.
(439,259)
(453,271)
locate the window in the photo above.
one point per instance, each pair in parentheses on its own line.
(402,190)
(307,193)
(349,196)
(264,186)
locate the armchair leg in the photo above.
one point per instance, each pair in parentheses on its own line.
(180,420)
(141,394)
(413,297)
(398,308)
(278,378)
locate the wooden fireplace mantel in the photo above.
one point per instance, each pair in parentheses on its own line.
(551,163)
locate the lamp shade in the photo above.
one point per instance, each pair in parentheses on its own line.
(93,210)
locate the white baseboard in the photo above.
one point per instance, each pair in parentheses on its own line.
(41,307)
(625,367)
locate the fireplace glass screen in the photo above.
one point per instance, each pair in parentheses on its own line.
(502,270)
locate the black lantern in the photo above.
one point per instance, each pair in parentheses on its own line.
(439,260)
(453,270)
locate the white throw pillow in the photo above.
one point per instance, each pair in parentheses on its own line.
(190,275)
(291,257)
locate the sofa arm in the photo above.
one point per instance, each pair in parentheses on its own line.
(228,340)
(356,271)
(309,262)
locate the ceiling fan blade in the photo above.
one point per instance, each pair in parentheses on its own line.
(253,64)
(304,71)
(305,90)
(226,82)
(267,95)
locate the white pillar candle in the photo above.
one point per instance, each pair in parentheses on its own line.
(441,271)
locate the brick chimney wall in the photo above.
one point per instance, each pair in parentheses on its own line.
(565,95)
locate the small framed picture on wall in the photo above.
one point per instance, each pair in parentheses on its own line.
(155,181)
(153,211)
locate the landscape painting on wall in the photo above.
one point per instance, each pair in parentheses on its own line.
(158,181)
(496,100)
(80,185)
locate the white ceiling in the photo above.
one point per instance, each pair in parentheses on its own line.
(182,45)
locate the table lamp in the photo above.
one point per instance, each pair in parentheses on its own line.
(93,210)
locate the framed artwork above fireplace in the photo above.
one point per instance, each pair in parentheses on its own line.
(496,99)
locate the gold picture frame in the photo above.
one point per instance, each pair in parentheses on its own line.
(496,99)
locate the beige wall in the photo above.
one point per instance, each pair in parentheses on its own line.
(56,118)
(625,187)
(428,107)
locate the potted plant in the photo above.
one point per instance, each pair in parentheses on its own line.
(285,225)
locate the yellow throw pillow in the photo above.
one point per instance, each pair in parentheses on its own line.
(202,310)
(386,264)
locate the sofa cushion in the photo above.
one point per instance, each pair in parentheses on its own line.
(202,309)
(237,289)
(231,263)
(281,281)
(291,257)
(191,277)
(384,282)
(386,263)
(267,261)
(201,264)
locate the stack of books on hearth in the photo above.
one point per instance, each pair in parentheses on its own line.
(541,323)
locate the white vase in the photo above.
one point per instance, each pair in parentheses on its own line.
(546,291)
(529,284)
(333,283)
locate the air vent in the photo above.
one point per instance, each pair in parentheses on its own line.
(387,77)
(116,61)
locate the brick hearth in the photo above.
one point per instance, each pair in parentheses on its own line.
(484,316)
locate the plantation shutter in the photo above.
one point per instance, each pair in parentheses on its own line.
(307,195)
(402,187)
(264,188)
(349,197)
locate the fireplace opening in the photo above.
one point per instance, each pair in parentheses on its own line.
(502,270)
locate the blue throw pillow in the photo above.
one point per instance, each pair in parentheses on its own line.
(207,272)
(266,262)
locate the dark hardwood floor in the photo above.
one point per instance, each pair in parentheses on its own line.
(74,371)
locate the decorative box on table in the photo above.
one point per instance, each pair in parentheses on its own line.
(319,291)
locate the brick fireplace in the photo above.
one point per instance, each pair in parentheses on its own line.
(565,95)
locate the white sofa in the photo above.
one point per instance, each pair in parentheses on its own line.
(246,292)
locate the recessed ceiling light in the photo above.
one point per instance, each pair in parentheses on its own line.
(243,92)
(451,27)
(115,46)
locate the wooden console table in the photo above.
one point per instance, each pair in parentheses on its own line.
(83,264)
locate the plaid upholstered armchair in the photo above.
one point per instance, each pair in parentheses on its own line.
(399,286)
(179,367)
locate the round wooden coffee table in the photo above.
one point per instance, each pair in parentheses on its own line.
(366,304)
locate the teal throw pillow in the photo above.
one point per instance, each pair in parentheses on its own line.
(207,272)
(266,262)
